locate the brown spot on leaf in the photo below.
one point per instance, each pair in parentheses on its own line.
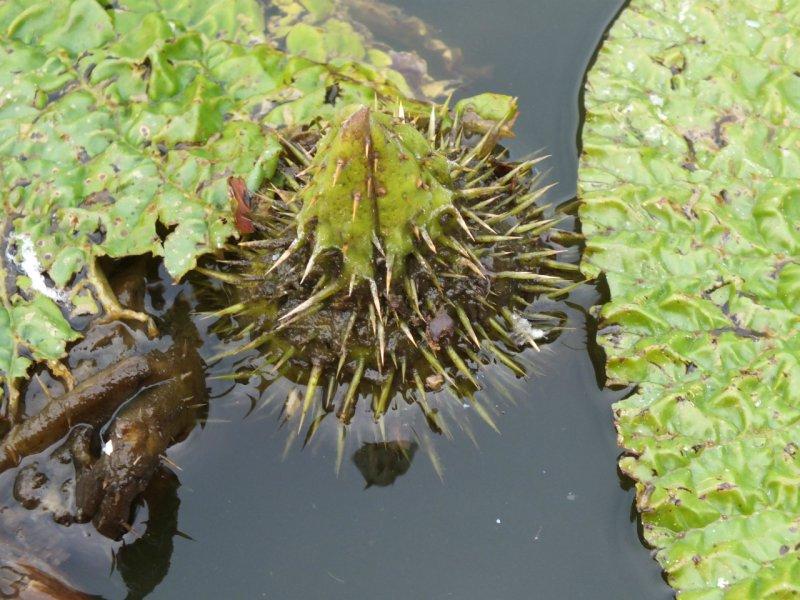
(718,134)
(242,204)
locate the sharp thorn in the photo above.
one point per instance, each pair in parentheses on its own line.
(373,287)
(320,296)
(461,366)
(382,403)
(311,388)
(404,328)
(348,405)
(465,322)
(356,202)
(352,285)
(309,266)
(462,223)
(339,166)
(427,237)
(389,267)
(292,247)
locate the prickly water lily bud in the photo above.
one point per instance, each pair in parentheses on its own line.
(375,181)
(394,259)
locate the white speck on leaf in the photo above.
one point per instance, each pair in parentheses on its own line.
(654,133)
(685,6)
(29,263)
(108,448)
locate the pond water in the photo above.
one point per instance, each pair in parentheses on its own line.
(537,511)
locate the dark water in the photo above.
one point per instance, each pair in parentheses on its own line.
(535,512)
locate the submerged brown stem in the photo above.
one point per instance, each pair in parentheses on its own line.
(92,401)
(139,436)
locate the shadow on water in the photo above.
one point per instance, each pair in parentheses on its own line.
(383,462)
(536,511)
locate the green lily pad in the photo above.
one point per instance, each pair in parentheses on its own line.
(31,330)
(689,181)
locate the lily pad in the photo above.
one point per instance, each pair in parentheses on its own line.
(689,182)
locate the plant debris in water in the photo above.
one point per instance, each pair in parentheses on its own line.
(689,180)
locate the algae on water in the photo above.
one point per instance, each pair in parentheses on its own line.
(689,182)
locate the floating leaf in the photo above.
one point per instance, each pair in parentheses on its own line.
(31,330)
(689,180)
(489,107)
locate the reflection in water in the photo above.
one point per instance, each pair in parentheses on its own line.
(381,463)
(135,397)
(23,580)
(144,563)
